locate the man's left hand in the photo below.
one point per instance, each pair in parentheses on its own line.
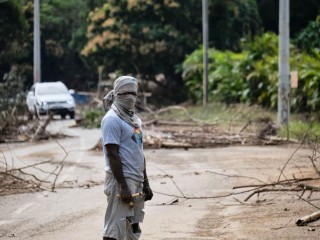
(148,194)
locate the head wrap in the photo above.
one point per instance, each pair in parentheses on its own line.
(123,105)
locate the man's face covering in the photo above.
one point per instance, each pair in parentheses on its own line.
(122,99)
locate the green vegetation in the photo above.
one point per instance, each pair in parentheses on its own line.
(308,38)
(235,115)
(251,76)
(91,117)
(13,36)
(162,38)
(300,129)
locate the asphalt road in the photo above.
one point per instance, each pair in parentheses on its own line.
(196,179)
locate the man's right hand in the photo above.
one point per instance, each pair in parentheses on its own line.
(125,194)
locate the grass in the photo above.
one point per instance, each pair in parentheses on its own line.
(299,128)
(236,115)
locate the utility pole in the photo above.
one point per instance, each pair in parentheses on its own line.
(205,50)
(284,68)
(36,44)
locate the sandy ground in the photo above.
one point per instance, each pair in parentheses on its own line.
(201,180)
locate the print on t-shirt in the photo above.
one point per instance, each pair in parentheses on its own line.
(137,136)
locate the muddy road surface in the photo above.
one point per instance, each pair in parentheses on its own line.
(193,192)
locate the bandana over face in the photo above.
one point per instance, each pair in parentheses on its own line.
(123,104)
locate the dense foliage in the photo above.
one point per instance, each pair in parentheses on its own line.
(153,37)
(251,76)
(143,38)
(63,26)
(301,13)
(13,34)
(229,21)
(308,38)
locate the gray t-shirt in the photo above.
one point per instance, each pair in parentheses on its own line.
(116,131)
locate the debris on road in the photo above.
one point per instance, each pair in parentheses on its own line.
(29,178)
(309,218)
(170,134)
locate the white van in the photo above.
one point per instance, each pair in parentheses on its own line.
(50,97)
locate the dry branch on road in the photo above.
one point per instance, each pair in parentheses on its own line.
(195,133)
(41,128)
(292,185)
(166,134)
(306,219)
(29,178)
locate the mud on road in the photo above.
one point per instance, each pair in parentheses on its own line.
(193,193)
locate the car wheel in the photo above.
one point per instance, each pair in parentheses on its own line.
(71,115)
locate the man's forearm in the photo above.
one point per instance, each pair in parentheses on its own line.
(145,170)
(115,164)
(116,168)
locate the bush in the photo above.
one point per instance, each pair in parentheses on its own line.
(91,117)
(308,38)
(251,76)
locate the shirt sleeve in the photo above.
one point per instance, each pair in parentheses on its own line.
(111,131)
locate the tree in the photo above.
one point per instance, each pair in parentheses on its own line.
(143,37)
(301,13)
(308,38)
(230,21)
(152,37)
(63,26)
(13,32)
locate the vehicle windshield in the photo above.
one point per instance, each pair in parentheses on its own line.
(51,89)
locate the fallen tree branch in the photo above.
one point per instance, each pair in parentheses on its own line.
(309,202)
(238,176)
(171,181)
(284,166)
(309,187)
(295,189)
(313,158)
(28,166)
(300,145)
(283,182)
(205,197)
(23,179)
(282,226)
(41,128)
(309,218)
(32,175)
(61,164)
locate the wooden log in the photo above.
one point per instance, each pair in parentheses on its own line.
(309,218)
(41,128)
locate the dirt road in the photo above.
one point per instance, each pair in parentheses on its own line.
(197,178)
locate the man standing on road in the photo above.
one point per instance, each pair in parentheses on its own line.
(125,163)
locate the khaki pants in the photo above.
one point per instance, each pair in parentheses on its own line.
(119,215)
